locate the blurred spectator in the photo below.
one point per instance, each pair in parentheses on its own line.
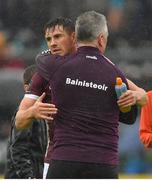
(139,27)
(115,15)
(116,20)
(6,60)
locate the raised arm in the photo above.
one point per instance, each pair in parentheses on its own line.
(141,95)
(133,96)
(137,95)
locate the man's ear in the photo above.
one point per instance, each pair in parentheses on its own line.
(73,36)
(100,40)
(26,87)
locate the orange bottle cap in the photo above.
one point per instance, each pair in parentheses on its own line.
(118,81)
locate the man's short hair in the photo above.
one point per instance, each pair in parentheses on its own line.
(67,24)
(90,25)
(28,73)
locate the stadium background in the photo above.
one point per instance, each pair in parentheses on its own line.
(129,46)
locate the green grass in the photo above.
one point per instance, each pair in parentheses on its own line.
(135,176)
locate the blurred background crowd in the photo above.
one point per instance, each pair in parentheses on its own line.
(129,46)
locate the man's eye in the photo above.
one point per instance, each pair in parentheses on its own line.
(48,39)
(57,36)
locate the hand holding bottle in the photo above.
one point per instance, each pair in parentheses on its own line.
(124,96)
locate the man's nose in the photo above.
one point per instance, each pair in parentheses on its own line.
(53,43)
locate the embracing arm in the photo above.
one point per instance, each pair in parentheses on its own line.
(138,93)
(30,109)
(132,97)
(25,115)
(141,95)
(32,106)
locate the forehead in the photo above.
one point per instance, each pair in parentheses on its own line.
(58,29)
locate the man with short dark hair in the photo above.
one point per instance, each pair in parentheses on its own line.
(60,36)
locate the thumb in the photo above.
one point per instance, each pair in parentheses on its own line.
(40,99)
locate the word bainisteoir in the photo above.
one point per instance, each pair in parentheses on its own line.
(84,83)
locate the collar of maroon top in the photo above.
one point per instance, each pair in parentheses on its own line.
(88,49)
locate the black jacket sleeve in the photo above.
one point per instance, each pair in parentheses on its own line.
(129,117)
(20,154)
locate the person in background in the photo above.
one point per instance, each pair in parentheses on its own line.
(145,129)
(6,58)
(26,148)
(62,162)
(116,20)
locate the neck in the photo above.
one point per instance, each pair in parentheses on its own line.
(92,44)
(74,49)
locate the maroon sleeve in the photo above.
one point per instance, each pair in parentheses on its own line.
(48,64)
(38,85)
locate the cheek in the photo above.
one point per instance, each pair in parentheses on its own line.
(68,44)
(48,44)
(64,45)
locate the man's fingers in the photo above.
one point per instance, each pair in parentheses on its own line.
(127,98)
(126,94)
(127,102)
(45,117)
(40,99)
(45,109)
(47,113)
(45,105)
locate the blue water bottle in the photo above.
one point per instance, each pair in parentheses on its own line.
(121,88)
